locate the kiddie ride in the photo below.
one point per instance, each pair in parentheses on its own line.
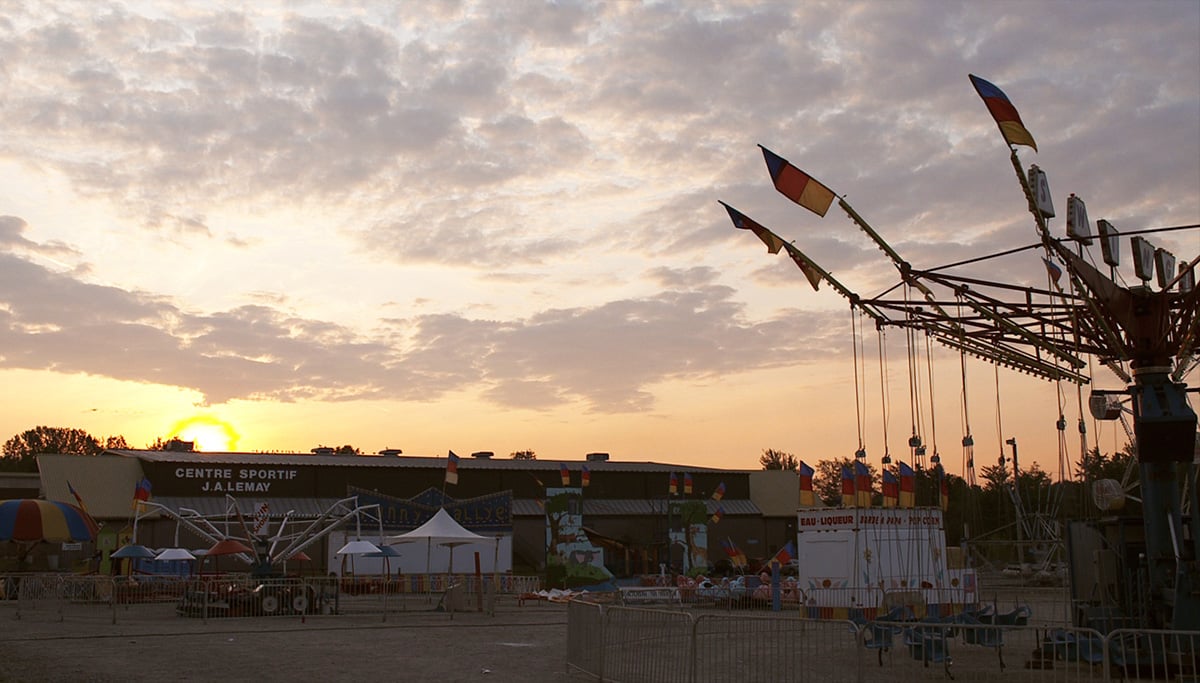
(264,590)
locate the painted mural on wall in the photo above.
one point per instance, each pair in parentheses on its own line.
(492,512)
(571,559)
(689,535)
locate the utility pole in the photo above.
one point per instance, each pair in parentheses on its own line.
(1017,505)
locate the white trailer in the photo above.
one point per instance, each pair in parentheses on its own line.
(879,558)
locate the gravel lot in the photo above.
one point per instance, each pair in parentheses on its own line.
(517,645)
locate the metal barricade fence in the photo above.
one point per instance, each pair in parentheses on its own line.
(457,592)
(1153,654)
(646,646)
(519,585)
(57,597)
(941,649)
(242,597)
(112,598)
(34,596)
(585,637)
(630,644)
(1079,653)
(421,584)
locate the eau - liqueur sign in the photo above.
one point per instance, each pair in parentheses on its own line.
(842,519)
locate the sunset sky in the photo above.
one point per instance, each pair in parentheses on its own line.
(495,225)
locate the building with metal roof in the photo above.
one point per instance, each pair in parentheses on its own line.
(626,503)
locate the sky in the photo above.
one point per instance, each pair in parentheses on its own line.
(494,226)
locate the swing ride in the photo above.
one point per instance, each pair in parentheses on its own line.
(253,543)
(264,552)
(1148,336)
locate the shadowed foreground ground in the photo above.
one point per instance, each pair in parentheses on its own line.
(519,644)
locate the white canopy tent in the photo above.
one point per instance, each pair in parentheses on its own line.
(442,530)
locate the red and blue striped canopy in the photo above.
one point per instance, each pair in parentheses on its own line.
(44,520)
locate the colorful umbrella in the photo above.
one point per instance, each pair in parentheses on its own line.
(133,552)
(31,520)
(229,546)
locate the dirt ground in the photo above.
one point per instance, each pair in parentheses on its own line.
(520,643)
(517,645)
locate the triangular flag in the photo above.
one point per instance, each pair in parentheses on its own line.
(813,275)
(1004,112)
(740,220)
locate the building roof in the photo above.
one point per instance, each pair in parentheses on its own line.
(616,507)
(309,508)
(777,492)
(20,485)
(104,483)
(407,461)
(212,506)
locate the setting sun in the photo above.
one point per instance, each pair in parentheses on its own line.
(209,433)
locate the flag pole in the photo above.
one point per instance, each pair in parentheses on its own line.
(451,459)
(685,565)
(802,260)
(671,532)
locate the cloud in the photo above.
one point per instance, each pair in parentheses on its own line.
(12,236)
(484,106)
(571,152)
(607,357)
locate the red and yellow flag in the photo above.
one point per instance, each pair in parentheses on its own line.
(797,185)
(807,497)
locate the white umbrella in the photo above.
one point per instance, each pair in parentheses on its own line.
(175,554)
(358,548)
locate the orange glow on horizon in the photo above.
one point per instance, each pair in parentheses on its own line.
(209,433)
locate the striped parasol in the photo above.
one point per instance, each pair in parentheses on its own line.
(29,520)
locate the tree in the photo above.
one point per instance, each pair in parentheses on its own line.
(827,480)
(772,459)
(524,455)
(996,477)
(1034,477)
(21,451)
(1095,465)
(1121,467)
(347,450)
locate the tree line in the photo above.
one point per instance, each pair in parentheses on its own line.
(20,453)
